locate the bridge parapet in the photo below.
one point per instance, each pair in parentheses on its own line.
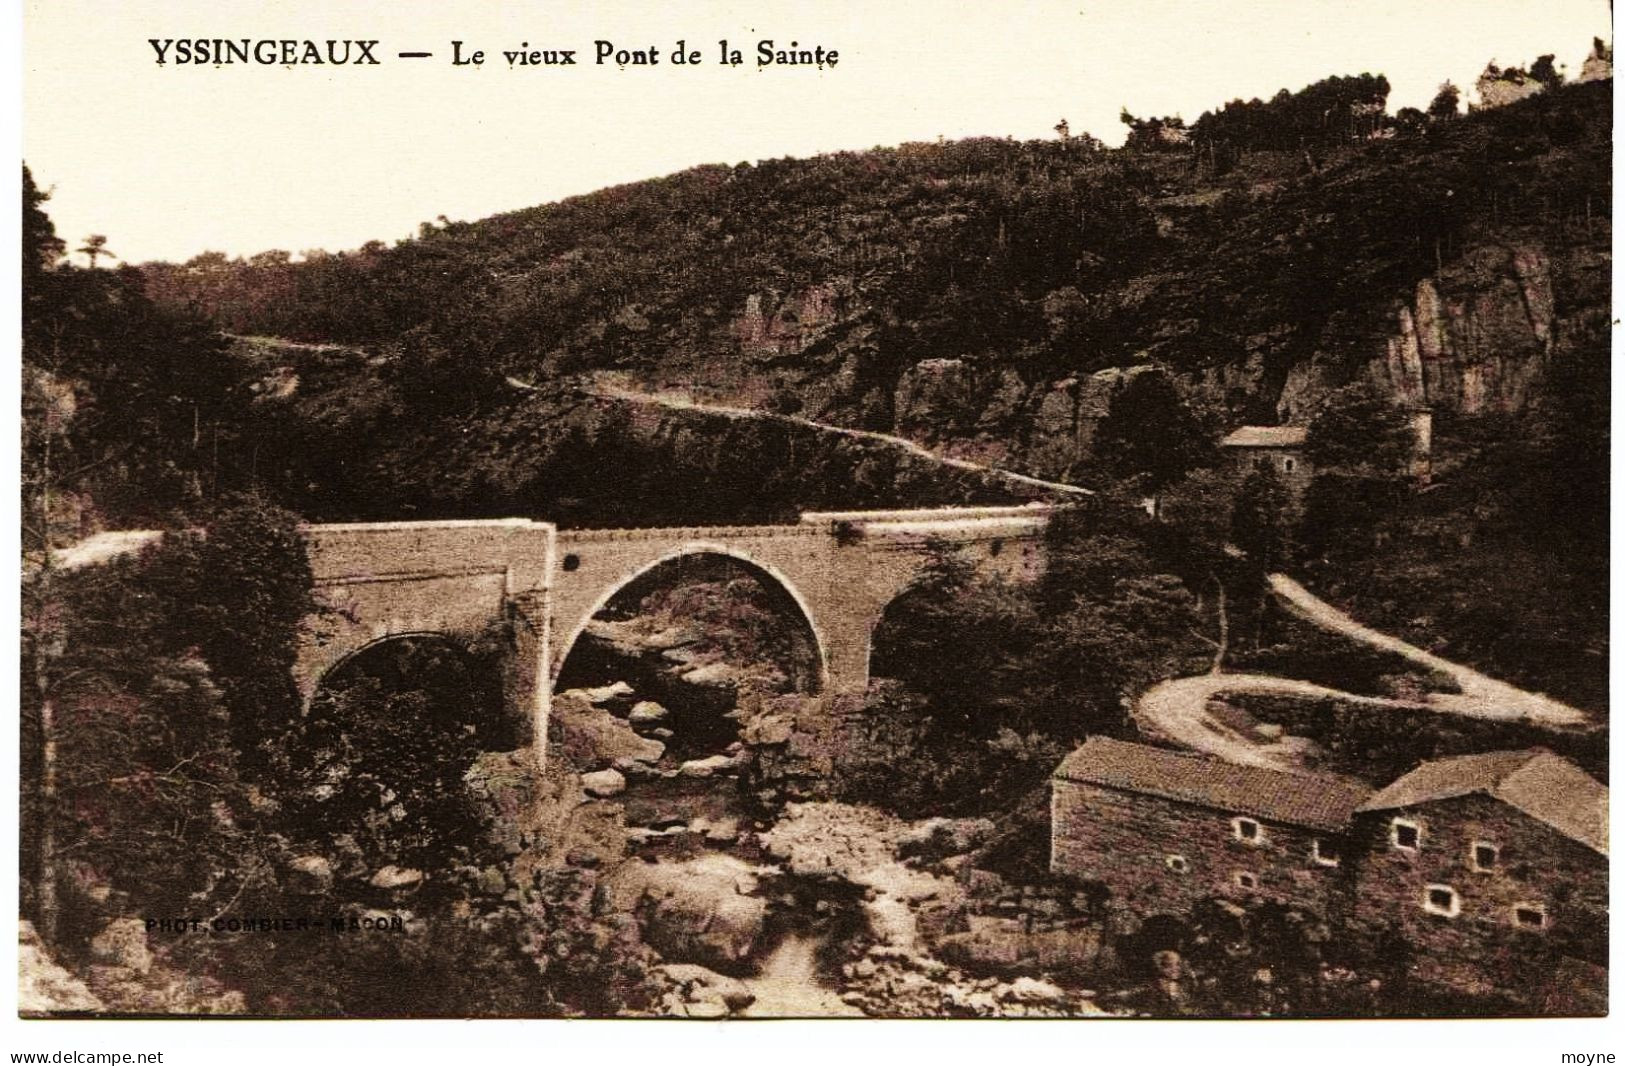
(930,514)
(359,552)
(687,533)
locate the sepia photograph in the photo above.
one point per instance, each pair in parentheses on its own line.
(814,511)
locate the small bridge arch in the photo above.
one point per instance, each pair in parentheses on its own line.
(353,655)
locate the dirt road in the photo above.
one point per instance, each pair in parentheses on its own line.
(612,388)
(1179,710)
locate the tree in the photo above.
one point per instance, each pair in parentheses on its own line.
(42,248)
(1257,522)
(384,749)
(1151,437)
(1410,120)
(95,246)
(1545,72)
(1446,103)
(1358,429)
(252,593)
(129,770)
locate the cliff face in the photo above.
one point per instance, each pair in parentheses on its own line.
(1477,337)
(1474,337)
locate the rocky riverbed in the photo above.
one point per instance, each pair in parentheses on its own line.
(762,905)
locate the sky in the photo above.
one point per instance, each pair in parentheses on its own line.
(170,161)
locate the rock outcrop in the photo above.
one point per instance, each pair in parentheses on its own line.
(44,987)
(1475,338)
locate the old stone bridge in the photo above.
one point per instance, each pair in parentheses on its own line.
(840,569)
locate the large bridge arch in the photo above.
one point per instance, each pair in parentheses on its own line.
(625,578)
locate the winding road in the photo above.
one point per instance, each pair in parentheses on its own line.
(609,387)
(1179,710)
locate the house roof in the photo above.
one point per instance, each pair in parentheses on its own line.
(1544,786)
(1266,437)
(1314,801)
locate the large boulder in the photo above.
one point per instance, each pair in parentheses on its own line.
(603,784)
(504,787)
(697,985)
(310,875)
(593,739)
(44,987)
(398,881)
(607,694)
(1005,945)
(709,766)
(768,729)
(647,713)
(703,911)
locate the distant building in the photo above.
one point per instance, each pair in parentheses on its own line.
(1282,449)
(1255,447)
(1278,448)
(1492,867)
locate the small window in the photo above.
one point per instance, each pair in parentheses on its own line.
(1327,852)
(1529,915)
(1404,835)
(1288,464)
(1177,864)
(1441,899)
(1246,880)
(572,562)
(1485,856)
(1247,831)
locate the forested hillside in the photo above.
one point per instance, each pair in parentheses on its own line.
(838,285)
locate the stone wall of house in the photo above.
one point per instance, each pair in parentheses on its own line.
(1126,841)
(1295,471)
(1481,948)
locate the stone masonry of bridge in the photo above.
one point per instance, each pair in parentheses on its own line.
(457,578)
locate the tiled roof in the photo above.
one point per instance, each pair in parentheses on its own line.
(1315,801)
(1266,437)
(1544,786)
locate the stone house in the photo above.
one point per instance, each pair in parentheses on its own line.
(1282,448)
(1252,448)
(1164,829)
(1278,448)
(1481,861)
(1493,868)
